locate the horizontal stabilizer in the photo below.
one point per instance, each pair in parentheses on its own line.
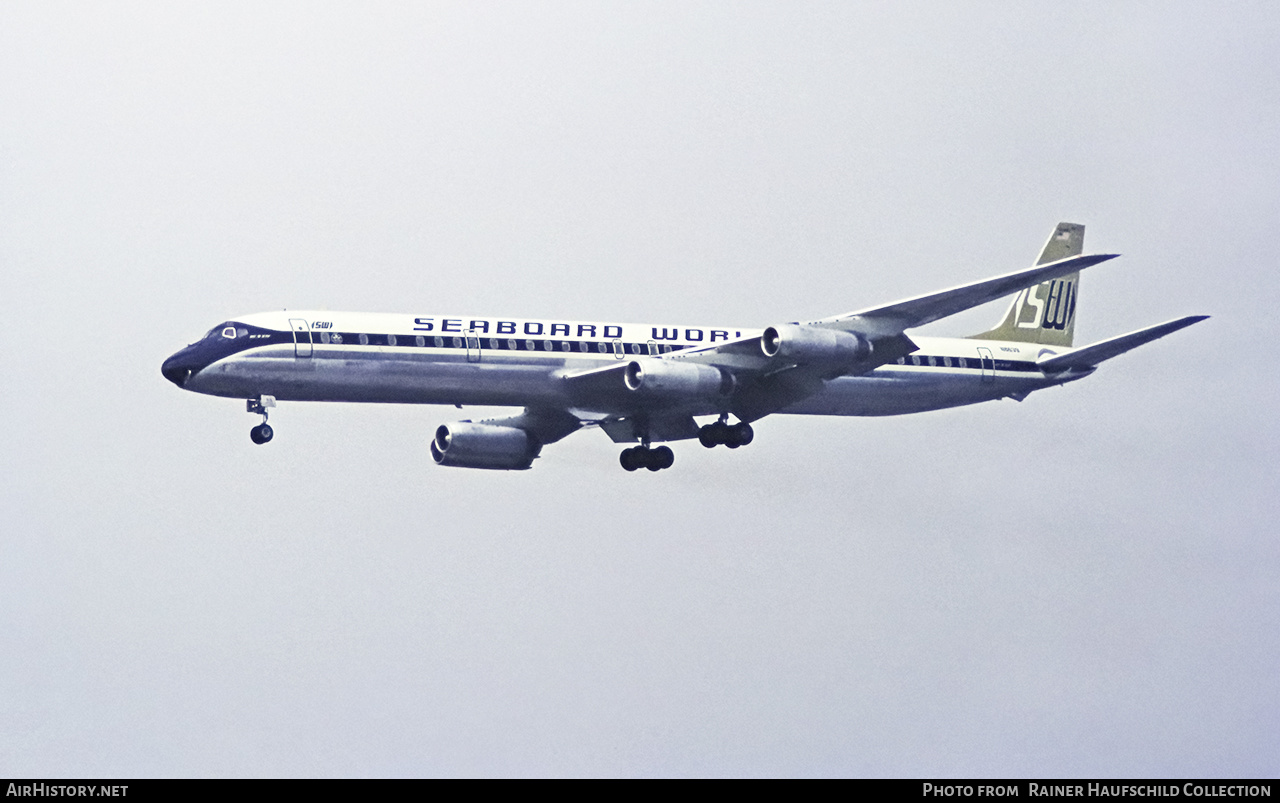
(893,318)
(1089,356)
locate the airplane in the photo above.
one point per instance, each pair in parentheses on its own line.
(649,384)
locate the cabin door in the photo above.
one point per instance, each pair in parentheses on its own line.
(301,337)
(988,364)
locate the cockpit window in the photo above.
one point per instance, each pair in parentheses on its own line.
(229,332)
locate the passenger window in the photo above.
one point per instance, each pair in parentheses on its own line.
(946,361)
(457,342)
(364,340)
(529,345)
(391,340)
(337,338)
(582,345)
(565,345)
(602,347)
(419,341)
(915,359)
(324,337)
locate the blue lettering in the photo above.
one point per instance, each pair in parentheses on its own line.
(423,324)
(719,334)
(506,327)
(667,334)
(452,325)
(612,332)
(480,326)
(586,330)
(559,329)
(689,335)
(529,328)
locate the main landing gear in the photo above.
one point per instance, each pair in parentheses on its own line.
(654,459)
(721,433)
(718,433)
(263,432)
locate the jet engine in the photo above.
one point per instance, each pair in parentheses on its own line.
(810,344)
(470,445)
(669,379)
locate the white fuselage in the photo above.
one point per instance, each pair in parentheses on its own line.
(373,357)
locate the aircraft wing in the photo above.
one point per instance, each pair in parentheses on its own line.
(1089,356)
(893,319)
(883,326)
(766,384)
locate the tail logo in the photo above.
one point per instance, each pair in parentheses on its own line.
(1054,312)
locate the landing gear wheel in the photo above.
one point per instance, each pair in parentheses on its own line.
(631,459)
(261,434)
(719,433)
(259,406)
(714,434)
(644,457)
(663,457)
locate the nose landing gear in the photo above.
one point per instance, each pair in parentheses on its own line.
(263,432)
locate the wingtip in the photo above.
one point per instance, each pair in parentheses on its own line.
(1183,323)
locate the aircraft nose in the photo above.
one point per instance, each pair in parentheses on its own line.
(178,369)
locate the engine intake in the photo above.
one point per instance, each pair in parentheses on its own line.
(677,379)
(814,344)
(469,445)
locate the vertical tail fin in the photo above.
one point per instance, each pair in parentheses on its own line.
(1046,313)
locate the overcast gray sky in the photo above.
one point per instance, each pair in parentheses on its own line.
(1081,584)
